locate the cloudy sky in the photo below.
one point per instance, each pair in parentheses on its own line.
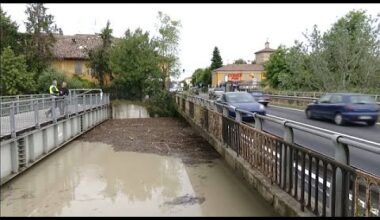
(238,30)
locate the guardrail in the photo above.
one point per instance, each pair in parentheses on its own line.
(306,100)
(23,114)
(310,94)
(326,186)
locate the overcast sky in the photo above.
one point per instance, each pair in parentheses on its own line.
(238,30)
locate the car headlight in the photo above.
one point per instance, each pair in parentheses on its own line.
(262,107)
(233,107)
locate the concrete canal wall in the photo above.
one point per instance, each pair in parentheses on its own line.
(22,152)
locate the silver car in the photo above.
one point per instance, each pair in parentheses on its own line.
(216,93)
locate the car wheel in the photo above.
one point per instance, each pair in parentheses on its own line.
(338,119)
(371,123)
(308,114)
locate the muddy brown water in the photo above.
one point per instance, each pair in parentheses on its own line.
(92,179)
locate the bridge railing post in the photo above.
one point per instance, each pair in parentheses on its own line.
(76,104)
(36,114)
(17,104)
(90,104)
(258,122)
(288,163)
(341,155)
(239,117)
(225,111)
(12,120)
(53,113)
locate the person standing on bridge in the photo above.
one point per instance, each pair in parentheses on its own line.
(63,92)
(53,91)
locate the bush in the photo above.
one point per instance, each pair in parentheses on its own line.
(49,74)
(162,104)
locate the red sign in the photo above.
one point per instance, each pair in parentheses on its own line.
(234,76)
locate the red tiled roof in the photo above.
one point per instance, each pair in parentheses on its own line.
(75,46)
(241,67)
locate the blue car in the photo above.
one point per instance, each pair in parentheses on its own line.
(343,108)
(244,101)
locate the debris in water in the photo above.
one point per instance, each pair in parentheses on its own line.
(186,199)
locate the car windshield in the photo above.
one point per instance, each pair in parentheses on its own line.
(239,98)
(361,99)
(256,94)
(218,89)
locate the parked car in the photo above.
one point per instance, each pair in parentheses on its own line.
(261,98)
(344,107)
(244,101)
(215,93)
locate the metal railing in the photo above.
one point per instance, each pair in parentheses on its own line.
(22,114)
(305,98)
(310,94)
(326,186)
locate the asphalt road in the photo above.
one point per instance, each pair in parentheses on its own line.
(361,159)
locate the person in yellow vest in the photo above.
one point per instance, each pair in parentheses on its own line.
(54,92)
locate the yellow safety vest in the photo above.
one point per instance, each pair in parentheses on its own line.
(53,90)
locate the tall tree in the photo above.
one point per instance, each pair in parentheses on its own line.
(14,78)
(135,64)
(216,60)
(275,66)
(99,57)
(40,28)
(9,37)
(240,61)
(347,56)
(168,41)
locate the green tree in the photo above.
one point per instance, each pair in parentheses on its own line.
(135,64)
(40,28)
(168,41)
(196,78)
(99,57)
(352,51)
(216,60)
(240,61)
(344,58)
(15,79)
(276,66)
(8,33)
(201,77)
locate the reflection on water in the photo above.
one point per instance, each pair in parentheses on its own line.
(123,111)
(90,179)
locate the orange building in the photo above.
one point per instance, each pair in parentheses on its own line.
(243,73)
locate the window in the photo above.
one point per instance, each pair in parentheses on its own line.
(325,99)
(336,99)
(78,68)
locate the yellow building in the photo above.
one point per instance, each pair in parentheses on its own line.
(71,54)
(243,73)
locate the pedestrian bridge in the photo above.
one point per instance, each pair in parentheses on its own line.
(28,135)
(295,180)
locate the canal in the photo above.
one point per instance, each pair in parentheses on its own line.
(133,167)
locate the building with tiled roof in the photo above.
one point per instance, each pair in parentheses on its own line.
(247,74)
(71,53)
